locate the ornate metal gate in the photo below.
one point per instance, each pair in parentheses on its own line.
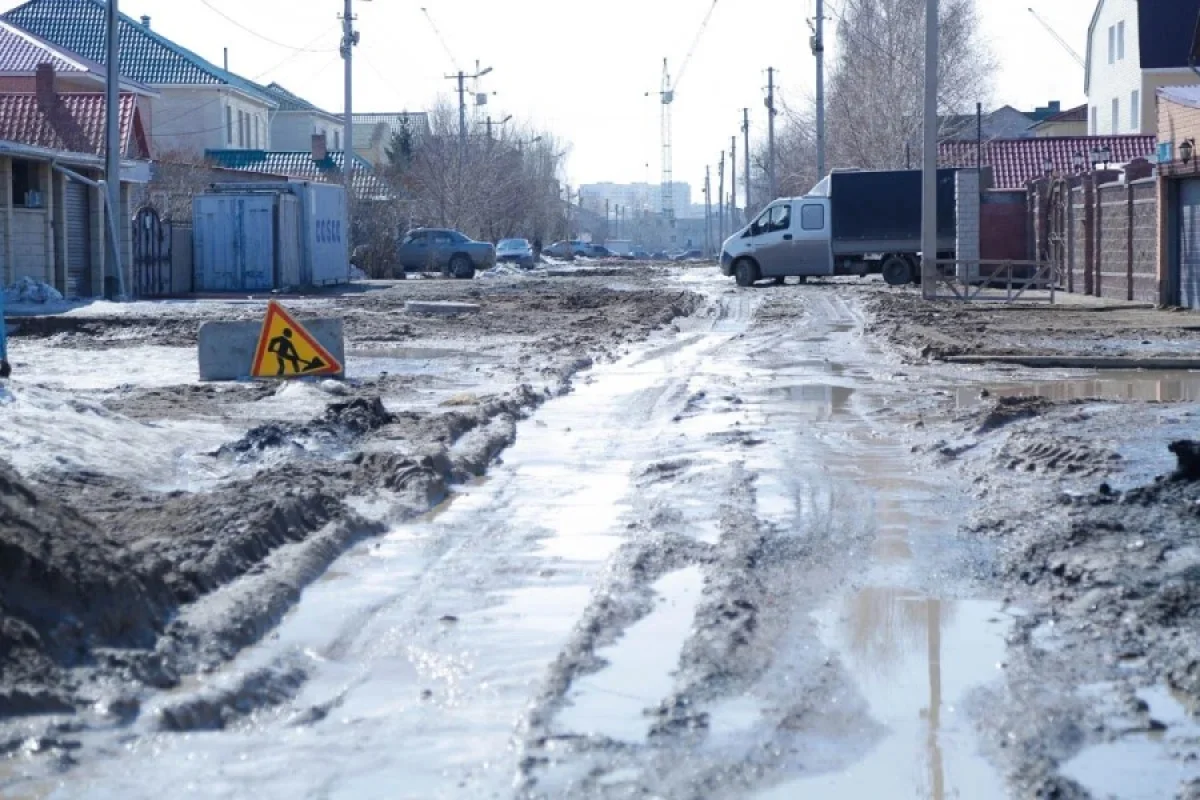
(151,254)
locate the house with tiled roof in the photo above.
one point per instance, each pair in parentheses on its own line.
(52,148)
(1134,47)
(198,106)
(304,165)
(297,120)
(1072,122)
(1016,162)
(373,132)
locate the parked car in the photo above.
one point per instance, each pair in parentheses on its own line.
(579,248)
(641,254)
(688,255)
(559,250)
(452,253)
(599,251)
(515,251)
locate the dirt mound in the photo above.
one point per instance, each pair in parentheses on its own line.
(1007,410)
(66,587)
(339,421)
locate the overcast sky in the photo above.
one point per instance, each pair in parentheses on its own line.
(582,67)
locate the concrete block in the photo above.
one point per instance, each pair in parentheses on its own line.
(439,307)
(227,348)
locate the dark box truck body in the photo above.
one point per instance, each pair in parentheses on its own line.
(877,212)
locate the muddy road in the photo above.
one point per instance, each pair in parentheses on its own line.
(638,534)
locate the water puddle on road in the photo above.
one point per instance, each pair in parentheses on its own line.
(1164,386)
(1142,765)
(641,664)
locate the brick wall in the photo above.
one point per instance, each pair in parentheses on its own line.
(1127,252)
(967,221)
(1175,123)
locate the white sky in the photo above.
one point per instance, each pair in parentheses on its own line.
(581,67)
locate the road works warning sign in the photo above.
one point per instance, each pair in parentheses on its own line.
(286,350)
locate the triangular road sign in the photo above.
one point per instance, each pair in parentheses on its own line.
(286,350)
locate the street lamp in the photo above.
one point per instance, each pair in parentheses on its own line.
(1101,155)
(1185,150)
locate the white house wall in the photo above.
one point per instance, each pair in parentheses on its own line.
(194,120)
(1118,80)
(293,130)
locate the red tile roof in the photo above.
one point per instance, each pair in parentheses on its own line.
(1015,162)
(21,53)
(78,125)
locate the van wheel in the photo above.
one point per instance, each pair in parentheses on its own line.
(462,268)
(745,272)
(897,271)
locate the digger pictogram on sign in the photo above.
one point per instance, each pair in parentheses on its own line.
(286,350)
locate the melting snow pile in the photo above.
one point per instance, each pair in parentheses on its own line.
(27,290)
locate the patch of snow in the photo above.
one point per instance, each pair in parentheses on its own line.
(27,290)
(49,429)
(104,369)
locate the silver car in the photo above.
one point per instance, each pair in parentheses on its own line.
(515,251)
(448,251)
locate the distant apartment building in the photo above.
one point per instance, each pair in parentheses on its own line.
(634,197)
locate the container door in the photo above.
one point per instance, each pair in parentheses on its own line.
(811,252)
(234,243)
(1189,244)
(290,247)
(77,209)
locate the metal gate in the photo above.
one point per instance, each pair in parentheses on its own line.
(1189,244)
(151,254)
(77,211)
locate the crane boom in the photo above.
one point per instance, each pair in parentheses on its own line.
(695,42)
(440,38)
(1058,38)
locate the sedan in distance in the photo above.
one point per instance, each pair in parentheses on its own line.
(515,251)
(447,251)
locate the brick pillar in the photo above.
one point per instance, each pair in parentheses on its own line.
(1089,231)
(966,234)
(1164,241)
(1129,222)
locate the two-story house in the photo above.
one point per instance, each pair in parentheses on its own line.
(198,106)
(297,120)
(1135,47)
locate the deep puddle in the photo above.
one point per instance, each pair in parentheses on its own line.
(1149,386)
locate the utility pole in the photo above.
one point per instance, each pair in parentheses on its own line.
(746,146)
(818,48)
(733,182)
(707,210)
(462,78)
(607,214)
(349,41)
(772,187)
(721,198)
(929,183)
(112,161)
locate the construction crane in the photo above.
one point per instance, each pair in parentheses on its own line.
(667,95)
(441,38)
(1058,38)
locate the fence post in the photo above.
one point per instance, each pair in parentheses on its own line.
(1098,248)
(1089,230)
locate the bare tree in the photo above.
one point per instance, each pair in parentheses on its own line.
(875,90)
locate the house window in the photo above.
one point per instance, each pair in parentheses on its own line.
(241,138)
(1092,122)
(255,131)
(1112,44)
(25,184)
(1135,111)
(337,140)
(1116,114)
(1121,40)
(229,125)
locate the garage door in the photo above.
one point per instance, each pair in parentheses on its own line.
(79,239)
(1189,244)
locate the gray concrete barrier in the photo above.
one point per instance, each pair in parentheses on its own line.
(227,348)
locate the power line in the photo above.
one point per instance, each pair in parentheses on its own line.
(258,35)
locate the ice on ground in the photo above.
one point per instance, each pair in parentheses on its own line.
(27,290)
(45,429)
(104,369)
